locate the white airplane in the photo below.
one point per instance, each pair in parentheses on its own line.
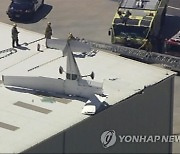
(73,85)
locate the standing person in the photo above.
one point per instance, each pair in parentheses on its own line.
(71,37)
(48,32)
(15,33)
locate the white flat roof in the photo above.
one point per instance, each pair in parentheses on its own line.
(27,119)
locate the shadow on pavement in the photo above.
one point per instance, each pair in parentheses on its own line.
(22,47)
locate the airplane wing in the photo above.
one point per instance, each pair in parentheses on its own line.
(93,104)
(43,84)
(75,45)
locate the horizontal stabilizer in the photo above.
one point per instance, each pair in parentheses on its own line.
(75,45)
(93,104)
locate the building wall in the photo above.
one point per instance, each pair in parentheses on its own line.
(146,113)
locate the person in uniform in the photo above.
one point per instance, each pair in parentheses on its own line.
(15,33)
(119,12)
(71,37)
(147,46)
(48,31)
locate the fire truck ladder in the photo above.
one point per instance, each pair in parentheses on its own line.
(170,62)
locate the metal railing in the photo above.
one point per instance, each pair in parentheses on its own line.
(168,61)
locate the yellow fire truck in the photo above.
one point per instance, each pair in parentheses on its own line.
(137,23)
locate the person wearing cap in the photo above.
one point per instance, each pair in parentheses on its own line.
(71,37)
(15,33)
(48,31)
(119,12)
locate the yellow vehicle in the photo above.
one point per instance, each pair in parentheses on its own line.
(137,23)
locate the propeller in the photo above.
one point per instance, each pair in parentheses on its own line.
(91,75)
(61,70)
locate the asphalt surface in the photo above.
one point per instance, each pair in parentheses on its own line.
(88,19)
(91,19)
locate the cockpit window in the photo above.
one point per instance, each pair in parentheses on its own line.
(71,76)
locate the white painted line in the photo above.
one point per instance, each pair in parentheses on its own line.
(176,8)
